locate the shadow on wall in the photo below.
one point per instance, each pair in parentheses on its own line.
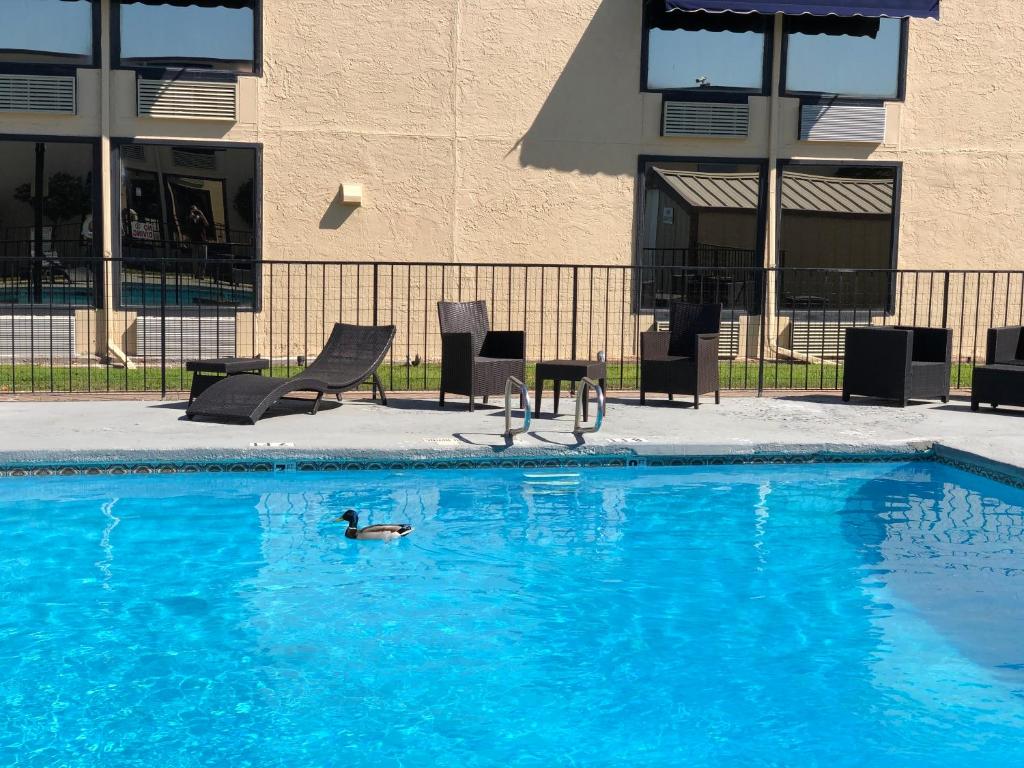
(595,108)
(337,213)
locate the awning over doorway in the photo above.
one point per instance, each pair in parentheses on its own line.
(897,8)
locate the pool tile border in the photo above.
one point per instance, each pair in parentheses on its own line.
(976,465)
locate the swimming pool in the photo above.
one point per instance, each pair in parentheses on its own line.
(849,615)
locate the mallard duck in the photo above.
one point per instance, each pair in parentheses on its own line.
(383,532)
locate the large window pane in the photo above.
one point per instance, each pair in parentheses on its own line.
(46,31)
(216,37)
(187,226)
(700,234)
(47,206)
(848,57)
(704,51)
(836,217)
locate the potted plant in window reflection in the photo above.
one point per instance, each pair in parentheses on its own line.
(67,198)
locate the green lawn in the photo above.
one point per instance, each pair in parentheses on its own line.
(737,375)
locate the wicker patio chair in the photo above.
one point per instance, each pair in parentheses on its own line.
(683,361)
(901,363)
(476,361)
(1001,380)
(350,357)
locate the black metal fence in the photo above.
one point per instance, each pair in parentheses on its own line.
(781,328)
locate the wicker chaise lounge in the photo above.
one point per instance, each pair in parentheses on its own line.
(476,361)
(901,363)
(1001,380)
(350,357)
(683,361)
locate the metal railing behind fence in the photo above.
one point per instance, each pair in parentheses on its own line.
(781,328)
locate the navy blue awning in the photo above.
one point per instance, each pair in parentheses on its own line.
(897,8)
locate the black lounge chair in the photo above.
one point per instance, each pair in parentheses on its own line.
(476,361)
(683,361)
(1001,380)
(897,362)
(350,357)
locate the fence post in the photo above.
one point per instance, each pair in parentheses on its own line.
(575,306)
(163,330)
(375,283)
(945,299)
(765,287)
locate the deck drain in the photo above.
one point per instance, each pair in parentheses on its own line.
(626,440)
(271,445)
(441,440)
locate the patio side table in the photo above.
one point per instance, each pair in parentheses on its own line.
(206,373)
(568,370)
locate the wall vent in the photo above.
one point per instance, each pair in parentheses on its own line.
(187,99)
(728,337)
(37,336)
(196,159)
(825,339)
(38,93)
(134,152)
(842,122)
(705,118)
(195,335)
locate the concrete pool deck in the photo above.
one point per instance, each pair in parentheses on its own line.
(117,430)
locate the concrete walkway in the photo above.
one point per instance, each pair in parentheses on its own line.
(79,430)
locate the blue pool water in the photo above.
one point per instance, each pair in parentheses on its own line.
(847,615)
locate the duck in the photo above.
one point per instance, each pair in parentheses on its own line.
(382,532)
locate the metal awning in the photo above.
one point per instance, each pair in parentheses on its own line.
(897,8)
(802,192)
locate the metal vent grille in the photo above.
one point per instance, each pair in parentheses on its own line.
(728,337)
(203,334)
(38,93)
(700,118)
(192,99)
(187,158)
(37,337)
(135,152)
(820,339)
(842,122)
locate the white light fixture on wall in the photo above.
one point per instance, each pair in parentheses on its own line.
(351,194)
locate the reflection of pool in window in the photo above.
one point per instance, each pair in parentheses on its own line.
(858,58)
(188,36)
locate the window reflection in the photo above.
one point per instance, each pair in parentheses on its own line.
(47,206)
(203,36)
(187,224)
(46,32)
(836,217)
(700,234)
(858,58)
(704,51)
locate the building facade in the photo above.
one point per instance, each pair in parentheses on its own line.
(225,134)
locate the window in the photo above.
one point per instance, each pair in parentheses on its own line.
(47,32)
(700,233)
(188,223)
(853,57)
(208,34)
(48,203)
(704,52)
(837,217)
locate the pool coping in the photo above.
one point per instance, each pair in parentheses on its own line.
(144,462)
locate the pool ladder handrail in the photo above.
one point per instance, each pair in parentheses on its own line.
(524,396)
(586,383)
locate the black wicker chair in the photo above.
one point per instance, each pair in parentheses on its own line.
(1001,380)
(901,363)
(350,357)
(476,361)
(683,361)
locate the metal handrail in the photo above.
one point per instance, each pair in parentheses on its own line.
(524,394)
(581,394)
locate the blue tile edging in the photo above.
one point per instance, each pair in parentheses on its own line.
(149,465)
